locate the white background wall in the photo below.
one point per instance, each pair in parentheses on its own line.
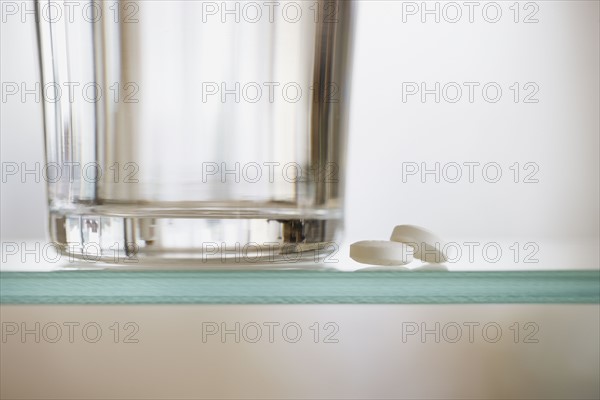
(560,133)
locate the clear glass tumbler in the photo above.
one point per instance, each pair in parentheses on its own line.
(195,129)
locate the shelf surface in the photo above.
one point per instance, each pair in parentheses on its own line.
(299,287)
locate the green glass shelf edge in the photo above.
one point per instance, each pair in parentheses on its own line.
(299,287)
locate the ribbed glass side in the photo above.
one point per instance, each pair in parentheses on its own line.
(299,287)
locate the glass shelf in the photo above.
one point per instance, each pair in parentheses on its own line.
(299,287)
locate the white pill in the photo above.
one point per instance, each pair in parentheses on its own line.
(426,245)
(381,252)
(431,267)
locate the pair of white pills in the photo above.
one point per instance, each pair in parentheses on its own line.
(406,243)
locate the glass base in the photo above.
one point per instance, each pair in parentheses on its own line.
(202,241)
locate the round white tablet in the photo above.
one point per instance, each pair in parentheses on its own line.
(381,252)
(427,246)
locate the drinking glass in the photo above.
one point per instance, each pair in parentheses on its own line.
(195,130)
